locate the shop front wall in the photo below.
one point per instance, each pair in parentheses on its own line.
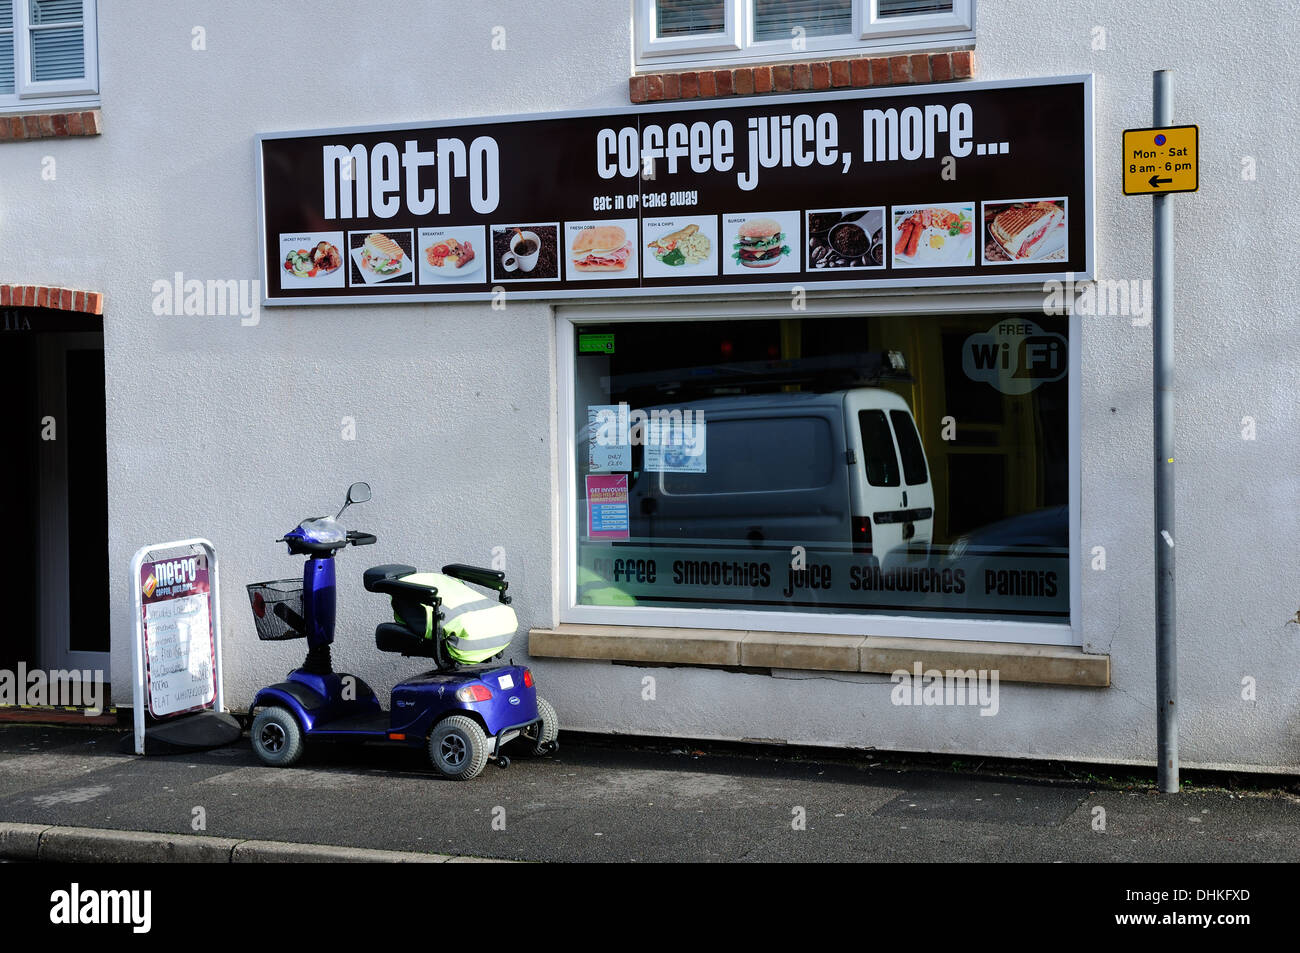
(235,426)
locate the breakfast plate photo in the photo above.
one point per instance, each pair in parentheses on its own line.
(451,254)
(447,259)
(933,236)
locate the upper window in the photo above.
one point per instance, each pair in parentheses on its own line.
(683,33)
(47,51)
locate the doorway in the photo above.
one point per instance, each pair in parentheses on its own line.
(56,483)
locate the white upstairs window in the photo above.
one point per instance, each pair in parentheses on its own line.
(48,52)
(681,34)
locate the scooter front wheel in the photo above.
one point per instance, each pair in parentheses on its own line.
(277,739)
(458,747)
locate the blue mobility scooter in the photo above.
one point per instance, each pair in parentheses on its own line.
(465,710)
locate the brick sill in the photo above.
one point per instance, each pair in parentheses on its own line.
(806,75)
(50,125)
(1043,664)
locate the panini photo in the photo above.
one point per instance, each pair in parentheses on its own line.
(1027,230)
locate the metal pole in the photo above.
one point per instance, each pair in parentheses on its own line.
(1162,352)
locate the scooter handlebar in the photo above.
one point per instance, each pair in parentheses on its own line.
(361,539)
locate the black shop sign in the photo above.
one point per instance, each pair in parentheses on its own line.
(953,184)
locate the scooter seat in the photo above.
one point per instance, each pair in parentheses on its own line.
(391,637)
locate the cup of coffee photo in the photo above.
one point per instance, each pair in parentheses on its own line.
(524,249)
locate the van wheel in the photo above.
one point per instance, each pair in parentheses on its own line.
(277,739)
(458,748)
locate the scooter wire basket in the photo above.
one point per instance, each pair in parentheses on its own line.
(277,609)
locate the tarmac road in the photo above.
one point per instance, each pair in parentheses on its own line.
(598,800)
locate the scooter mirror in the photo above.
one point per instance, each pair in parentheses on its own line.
(357,493)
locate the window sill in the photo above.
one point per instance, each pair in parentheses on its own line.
(50,125)
(859,73)
(1043,664)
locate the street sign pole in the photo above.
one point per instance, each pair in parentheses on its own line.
(1163,408)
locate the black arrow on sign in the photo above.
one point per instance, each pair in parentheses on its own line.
(1157,182)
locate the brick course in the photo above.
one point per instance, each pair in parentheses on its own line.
(44,296)
(857,73)
(51,125)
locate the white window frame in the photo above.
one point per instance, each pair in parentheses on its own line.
(869,33)
(837,623)
(28,93)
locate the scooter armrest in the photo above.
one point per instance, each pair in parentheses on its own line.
(425,595)
(487,578)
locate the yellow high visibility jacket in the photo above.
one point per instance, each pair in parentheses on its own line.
(475,627)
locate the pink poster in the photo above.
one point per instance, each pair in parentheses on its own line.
(607,506)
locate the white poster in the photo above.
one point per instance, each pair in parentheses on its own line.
(676,444)
(608,447)
(180,654)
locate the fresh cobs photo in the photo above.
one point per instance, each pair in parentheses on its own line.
(601,248)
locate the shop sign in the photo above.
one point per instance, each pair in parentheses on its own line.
(938,185)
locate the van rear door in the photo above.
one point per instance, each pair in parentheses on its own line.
(893,500)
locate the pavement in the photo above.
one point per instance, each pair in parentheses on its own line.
(599,799)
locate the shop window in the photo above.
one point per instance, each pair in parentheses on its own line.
(683,34)
(805,470)
(48,53)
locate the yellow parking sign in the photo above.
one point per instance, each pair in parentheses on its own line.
(1159,161)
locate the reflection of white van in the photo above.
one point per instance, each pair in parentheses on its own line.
(797,469)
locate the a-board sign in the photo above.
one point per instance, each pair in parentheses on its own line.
(1161,160)
(936,185)
(177,648)
(177,629)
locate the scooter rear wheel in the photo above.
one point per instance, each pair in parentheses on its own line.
(458,748)
(276,737)
(546,732)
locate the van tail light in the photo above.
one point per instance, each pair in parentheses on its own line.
(474,693)
(862,535)
(528,678)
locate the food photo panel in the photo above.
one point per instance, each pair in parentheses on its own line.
(933,236)
(596,251)
(1025,230)
(382,257)
(843,239)
(761,242)
(312,260)
(526,252)
(681,247)
(449,255)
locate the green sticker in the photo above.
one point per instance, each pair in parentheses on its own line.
(595,344)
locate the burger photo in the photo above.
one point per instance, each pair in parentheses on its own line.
(760,243)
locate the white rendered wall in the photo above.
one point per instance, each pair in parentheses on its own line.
(234,433)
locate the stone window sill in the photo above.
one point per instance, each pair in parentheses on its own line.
(1014,662)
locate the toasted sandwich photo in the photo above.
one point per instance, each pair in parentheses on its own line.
(1020,230)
